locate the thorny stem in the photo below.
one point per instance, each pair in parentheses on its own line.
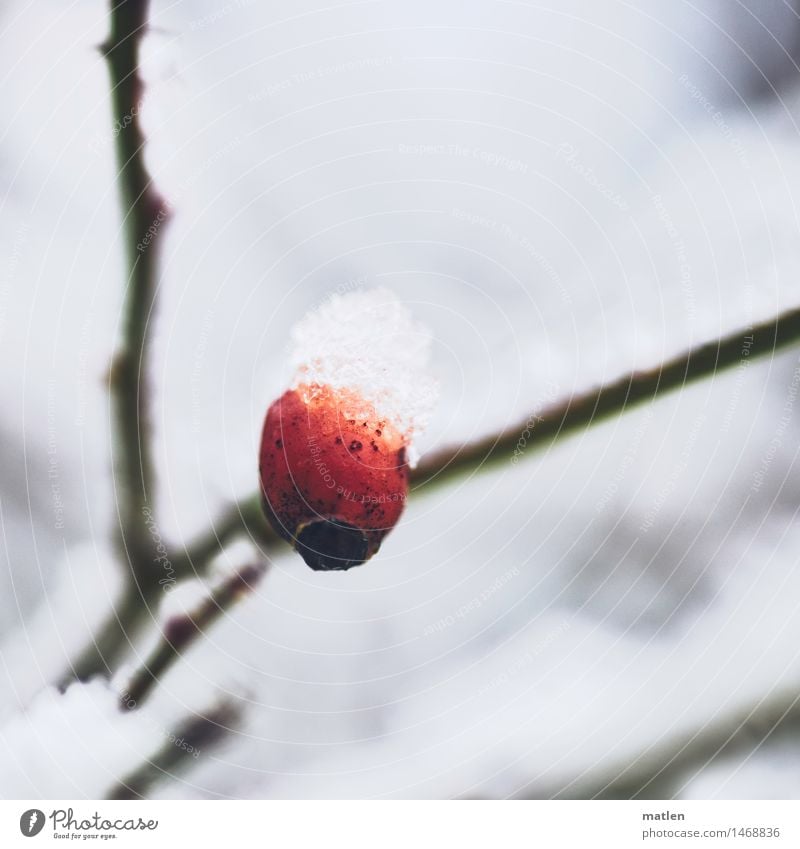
(145,213)
(180,632)
(541,428)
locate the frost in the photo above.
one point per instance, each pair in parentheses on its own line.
(368,343)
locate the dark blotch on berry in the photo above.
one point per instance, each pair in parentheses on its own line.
(328,546)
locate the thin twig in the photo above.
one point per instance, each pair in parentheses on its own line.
(197,735)
(180,632)
(243,516)
(540,429)
(112,639)
(619,396)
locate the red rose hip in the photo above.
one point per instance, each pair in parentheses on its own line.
(334,475)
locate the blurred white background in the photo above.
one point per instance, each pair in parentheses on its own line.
(562,192)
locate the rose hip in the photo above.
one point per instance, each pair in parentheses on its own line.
(334,476)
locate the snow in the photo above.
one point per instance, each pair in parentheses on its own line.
(367,343)
(559,194)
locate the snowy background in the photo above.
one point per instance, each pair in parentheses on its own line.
(562,192)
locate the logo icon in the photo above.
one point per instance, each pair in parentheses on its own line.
(31,822)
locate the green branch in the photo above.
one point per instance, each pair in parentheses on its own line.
(144,216)
(611,399)
(145,213)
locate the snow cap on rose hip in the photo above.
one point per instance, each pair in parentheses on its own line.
(337,446)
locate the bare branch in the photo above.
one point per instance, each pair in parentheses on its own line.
(611,399)
(145,213)
(244,516)
(111,640)
(197,735)
(181,631)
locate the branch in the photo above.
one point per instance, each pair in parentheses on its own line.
(145,213)
(542,427)
(188,742)
(619,396)
(181,631)
(112,639)
(245,516)
(661,771)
